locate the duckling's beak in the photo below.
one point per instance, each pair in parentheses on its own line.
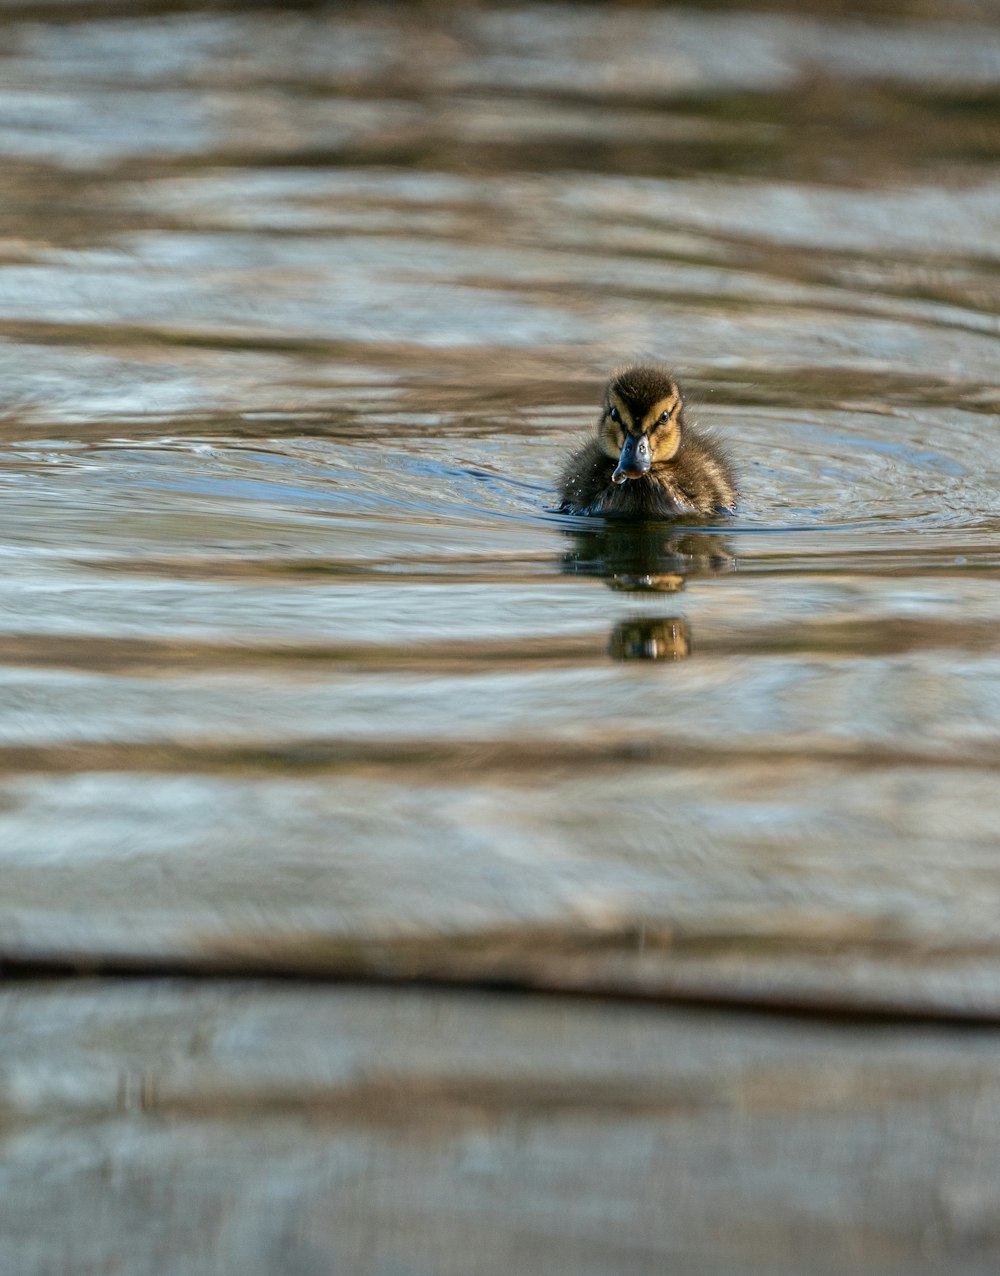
(635,459)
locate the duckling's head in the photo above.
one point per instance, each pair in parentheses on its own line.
(642,421)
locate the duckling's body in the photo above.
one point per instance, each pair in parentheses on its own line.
(646,461)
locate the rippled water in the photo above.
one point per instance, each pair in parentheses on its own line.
(302,309)
(302,313)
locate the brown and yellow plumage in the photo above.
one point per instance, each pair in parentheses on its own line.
(645,460)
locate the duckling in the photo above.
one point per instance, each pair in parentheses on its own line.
(646,461)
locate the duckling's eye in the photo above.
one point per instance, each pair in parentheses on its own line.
(664,416)
(615,415)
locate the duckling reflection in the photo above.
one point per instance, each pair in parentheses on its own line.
(645,556)
(645,638)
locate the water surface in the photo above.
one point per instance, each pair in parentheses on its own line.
(301,313)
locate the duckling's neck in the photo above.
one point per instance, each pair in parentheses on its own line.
(653,495)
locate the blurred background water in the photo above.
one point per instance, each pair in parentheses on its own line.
(302,308)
